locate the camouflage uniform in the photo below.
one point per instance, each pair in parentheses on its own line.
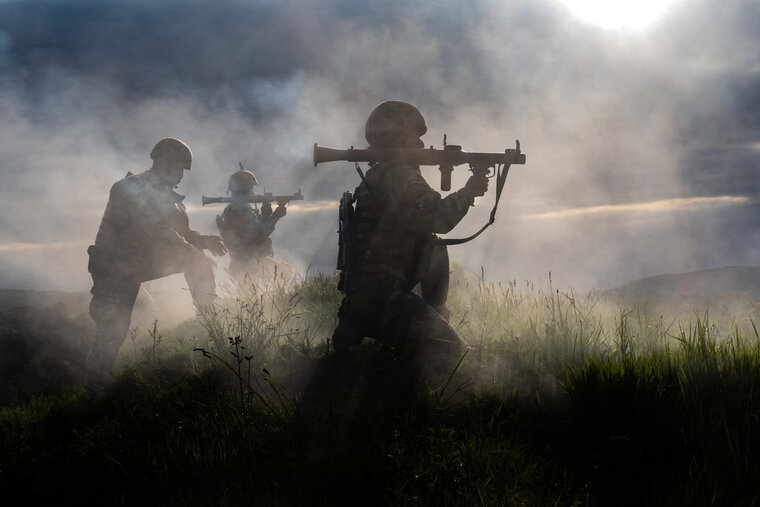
(144,235)
(396,216)
(246,232)
(392,248)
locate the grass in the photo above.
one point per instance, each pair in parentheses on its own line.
(573,400)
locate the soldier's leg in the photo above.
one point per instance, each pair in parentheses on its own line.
(111,308)
(360,311)
(428,342)
(144,310)
(436,347)
(435,285)
(198,271)
(200,280)
(350,330)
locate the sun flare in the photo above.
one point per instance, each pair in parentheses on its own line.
(666,205)
(626,15)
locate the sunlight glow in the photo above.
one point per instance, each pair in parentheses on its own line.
(22,247)
(309,206)
(294,207)
(668,205)
(628,15)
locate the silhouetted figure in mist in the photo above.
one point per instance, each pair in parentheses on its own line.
(246,229)
(144,235)
(392,248)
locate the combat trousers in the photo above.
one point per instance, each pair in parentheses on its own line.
(383,307)
(114,292)
(434,286)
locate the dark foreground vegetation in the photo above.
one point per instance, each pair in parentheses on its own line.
(566,408)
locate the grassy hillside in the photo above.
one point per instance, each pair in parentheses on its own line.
(562,399)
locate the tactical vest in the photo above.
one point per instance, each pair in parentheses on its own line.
(381,242)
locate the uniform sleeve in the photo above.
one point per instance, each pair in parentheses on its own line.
(269,222)
(182,227)
(426,210)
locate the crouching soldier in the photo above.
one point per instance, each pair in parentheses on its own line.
(145,235)
(392,249)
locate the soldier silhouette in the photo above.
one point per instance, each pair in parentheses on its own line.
(246,229)
(392,249)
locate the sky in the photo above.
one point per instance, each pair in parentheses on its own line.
(642,139)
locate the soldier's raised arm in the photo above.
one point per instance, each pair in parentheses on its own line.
(427,210)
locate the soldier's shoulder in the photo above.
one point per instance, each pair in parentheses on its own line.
(125,184)
(131,179)
(234,207)
(400,169)
(239,209)
(395,170)
(408,176)
(394,165)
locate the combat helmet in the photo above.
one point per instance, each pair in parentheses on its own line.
(173,150)
(241,182)
(395,123)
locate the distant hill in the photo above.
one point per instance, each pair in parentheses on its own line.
(706,283)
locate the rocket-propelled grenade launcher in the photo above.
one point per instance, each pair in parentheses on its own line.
(489,164)
(254,198)
(451,155)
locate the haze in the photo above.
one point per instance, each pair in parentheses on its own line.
(642,146)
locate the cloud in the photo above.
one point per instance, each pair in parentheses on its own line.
(606,120)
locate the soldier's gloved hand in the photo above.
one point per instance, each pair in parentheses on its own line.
(280,212)
(477,185)
(215,245)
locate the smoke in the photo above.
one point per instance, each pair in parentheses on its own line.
(609,121)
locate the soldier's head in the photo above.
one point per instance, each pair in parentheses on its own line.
(171,157)
(395,124)
(241,182)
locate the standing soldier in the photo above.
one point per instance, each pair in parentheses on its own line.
(245,229)
(392,244)
(144,235)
